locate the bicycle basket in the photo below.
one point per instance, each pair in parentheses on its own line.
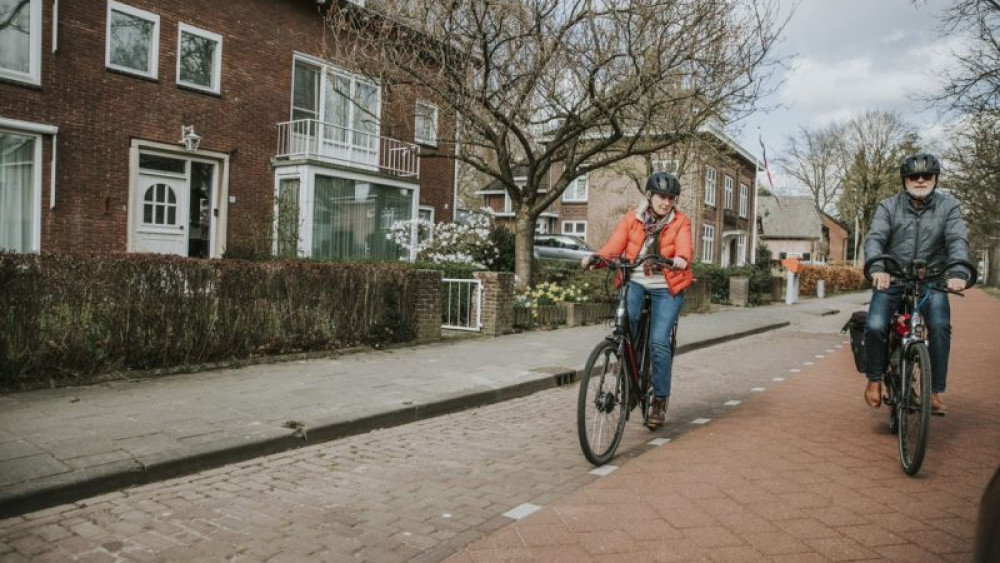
(856,327)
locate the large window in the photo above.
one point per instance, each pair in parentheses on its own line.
(20,192)
(707,243)
(576,192)
(287,212)
(133,38)
(426,124)
(352,218)
(576,228)
(727,190)
(199,58)
(741,250)
(347,105)
(710,188)
(21,40)
(744,198)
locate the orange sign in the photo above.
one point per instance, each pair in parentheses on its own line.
(792,264)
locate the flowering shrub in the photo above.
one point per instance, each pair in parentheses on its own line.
(475,242)
(548,293)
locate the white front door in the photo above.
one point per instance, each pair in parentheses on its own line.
(162,218)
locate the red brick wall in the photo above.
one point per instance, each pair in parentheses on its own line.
(99,112)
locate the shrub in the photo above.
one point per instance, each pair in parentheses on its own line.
(837,279)
(67,317)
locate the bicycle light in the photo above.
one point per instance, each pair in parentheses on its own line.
(903,325)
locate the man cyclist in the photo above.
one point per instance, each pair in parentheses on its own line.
(656,228)
(918,224)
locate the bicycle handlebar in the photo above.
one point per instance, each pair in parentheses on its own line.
(893,268)
(624,264)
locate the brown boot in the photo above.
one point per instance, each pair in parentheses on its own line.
(873,394)
(937,405)
(657,412)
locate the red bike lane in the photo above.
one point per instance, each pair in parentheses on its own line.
(802,472)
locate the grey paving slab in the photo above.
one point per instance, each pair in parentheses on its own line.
(177,424)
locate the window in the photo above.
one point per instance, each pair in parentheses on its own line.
(663,164)
(351,219)
(287,213)
(710,185)
(133,40)
(741,250)
(576,192)
(727,201)
(346,104)
(707,243)
(425,130)
(744,198)
(21,41)
(575,228)
(425,230)
(159,205)
(20,192)
(199,58)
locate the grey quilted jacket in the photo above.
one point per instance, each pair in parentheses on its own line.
(935,233)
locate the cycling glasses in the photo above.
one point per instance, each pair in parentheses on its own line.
(926,176)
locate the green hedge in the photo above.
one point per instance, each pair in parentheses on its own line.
(67,317)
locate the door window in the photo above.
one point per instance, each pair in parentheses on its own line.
(159,205)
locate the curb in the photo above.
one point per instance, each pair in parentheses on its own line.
(82,484)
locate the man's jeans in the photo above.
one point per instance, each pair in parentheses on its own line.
(937,315)
(664,310)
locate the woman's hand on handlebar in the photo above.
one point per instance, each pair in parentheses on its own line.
(589,261)
(880,280)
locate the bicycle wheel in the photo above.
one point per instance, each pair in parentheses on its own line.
(889,384)
(602,405)
(914,407)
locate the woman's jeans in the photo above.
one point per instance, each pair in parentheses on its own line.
(937,315)
(664,310)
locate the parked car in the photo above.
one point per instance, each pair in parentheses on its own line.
(565,248)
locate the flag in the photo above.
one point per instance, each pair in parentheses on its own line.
(767,169)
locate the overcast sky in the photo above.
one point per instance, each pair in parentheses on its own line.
(848,56)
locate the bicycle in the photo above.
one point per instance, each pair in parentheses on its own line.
(611,388)
(907,381)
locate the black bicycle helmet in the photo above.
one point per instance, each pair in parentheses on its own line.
(663,183)
(920,162)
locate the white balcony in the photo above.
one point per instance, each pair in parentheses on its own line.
(310,138)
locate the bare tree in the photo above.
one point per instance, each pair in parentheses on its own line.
(814,158)
(973,85)
(873,144)
(973,176)
(579,83)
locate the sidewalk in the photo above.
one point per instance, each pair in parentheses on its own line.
(804,472)
(61,445)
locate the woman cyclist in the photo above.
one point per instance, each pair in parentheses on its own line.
(656,227)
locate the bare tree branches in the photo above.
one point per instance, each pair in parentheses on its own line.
(975,84)
(815,159)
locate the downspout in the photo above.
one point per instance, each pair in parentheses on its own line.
(55,26)
(753,219)
(458,149)
(52,172)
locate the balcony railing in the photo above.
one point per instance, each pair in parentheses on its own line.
(311,138)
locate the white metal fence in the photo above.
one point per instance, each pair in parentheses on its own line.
(462,304)
(309,138)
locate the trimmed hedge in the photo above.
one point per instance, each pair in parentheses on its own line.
(65,318)
(838,279)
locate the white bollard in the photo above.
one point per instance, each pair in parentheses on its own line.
(820,289)
(791,288)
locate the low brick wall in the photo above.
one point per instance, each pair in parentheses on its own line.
(428,310)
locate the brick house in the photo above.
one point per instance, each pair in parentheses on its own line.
(204,128)
(718,186)
(795,227)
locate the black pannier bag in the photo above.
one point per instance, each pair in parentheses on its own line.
(856,326)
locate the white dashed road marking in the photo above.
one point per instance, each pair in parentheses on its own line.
(732,403)
(658,441)
(700,421)
(757,389)
(527,509)
(604,470)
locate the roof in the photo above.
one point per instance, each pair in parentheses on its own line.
(789,218)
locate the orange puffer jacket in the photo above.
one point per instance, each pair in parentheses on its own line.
(675,242)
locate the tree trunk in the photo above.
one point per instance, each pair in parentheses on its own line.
(524,250)
(993,279)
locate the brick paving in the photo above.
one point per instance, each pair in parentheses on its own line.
(804,472)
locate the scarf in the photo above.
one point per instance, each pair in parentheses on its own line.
(653,228)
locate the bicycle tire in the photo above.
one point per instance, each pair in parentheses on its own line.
(604,390)
(914,407)
(890,399)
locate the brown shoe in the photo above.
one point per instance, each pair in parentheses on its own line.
(873,394)
(937,405)
(657,413)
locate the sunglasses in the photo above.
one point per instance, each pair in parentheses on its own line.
(926,176)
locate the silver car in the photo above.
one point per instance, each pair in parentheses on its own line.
(564,248)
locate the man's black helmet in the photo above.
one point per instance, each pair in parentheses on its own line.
(920,162)
(663,183)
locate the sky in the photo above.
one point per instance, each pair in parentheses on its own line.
(844,57)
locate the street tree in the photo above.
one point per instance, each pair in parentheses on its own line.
(813,157)
(973,168)
(872,146)
(973,84)
(560,88)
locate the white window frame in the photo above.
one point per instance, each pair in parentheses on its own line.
(36,196)
(574,233)
(431,110)
(422,209)
(571,194)
(710,185)
(154,48)
(707,243)
(34,74)
(216,85)
(741,250)
(663,164)
(744,199)
(727,197)
(325,70)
